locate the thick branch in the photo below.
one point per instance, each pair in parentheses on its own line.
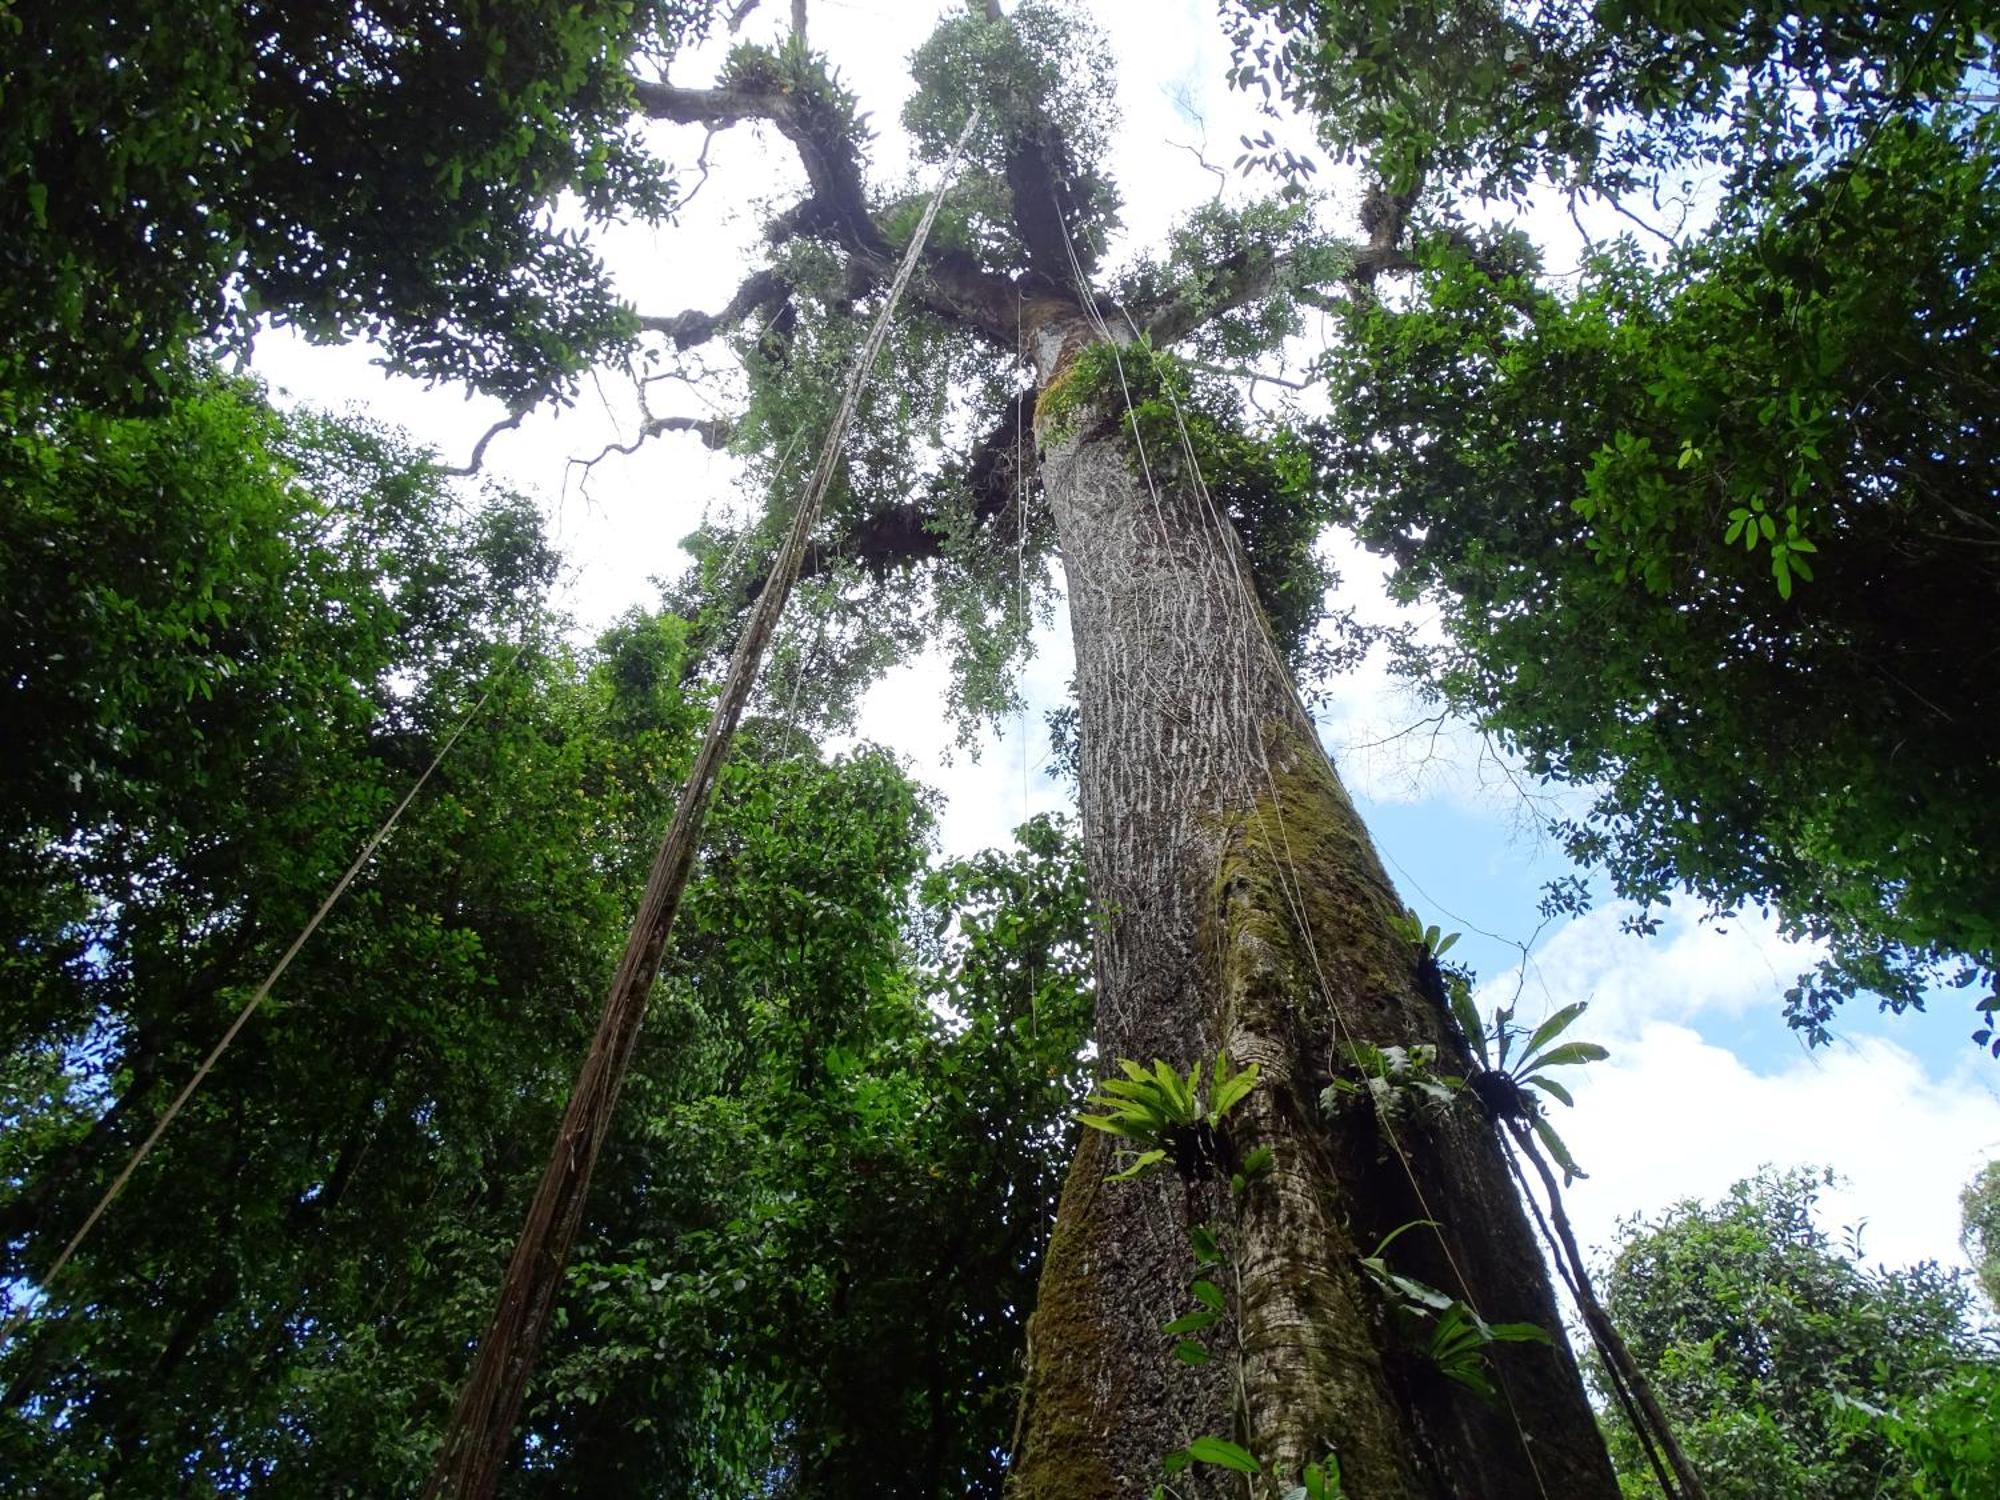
(1384,215)
(1000,471)
(1242,278)
(477,462)
(1252,275)
(819,128)
(759,290)
(1039,178)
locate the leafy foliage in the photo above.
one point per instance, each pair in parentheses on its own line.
(1451,1334)
(238,638)
(1979,1216)
(1627,100)
(1164,1113)
(1760,1337)
(1041,77)
(176,171)
(1713,537)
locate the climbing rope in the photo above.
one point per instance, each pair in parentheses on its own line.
(38,1296)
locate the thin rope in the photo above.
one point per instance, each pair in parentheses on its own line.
(39,1293)
(479,1433)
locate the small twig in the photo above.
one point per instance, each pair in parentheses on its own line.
(1669,240)
(1253,376)
(700,161)
(714,432)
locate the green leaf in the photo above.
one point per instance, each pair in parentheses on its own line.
(1193,1322)
(1568,1055)
(1401,1229)
(1188,1352)
(1554,1026)
(1553,1089)
(1230,1092)
(1518,1333)
(1209,1295)
(1223,1454)
(1467,1015)
(1206,1250)
(1140,1163)
(1556,1148)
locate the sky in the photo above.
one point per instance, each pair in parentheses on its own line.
(1704,1084)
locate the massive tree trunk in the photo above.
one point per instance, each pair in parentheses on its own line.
(1245,908)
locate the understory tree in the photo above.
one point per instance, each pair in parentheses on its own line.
(1979,1234)
(1709,519)
(1789,1367)
(1251,949)
(232,640)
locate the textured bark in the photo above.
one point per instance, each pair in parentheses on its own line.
(1245,907)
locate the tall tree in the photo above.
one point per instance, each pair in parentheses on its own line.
(1979,1219)
(1244,911)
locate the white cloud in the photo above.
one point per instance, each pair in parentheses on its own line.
(1671,1116)
(999,782)
(1689,969)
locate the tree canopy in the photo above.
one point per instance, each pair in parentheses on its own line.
(1788,1367)
(176,172)
(1711,529)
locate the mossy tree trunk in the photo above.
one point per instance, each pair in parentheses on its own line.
(1244,908)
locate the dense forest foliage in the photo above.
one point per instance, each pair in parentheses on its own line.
(240,637)
(1710,527)
(1791,1367)
(1708,517)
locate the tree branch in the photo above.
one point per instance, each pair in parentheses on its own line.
(714,433)
(478,460)
(1039,173)
(1000,472)
(1252,275)
(1231,283)
(821,129)
(760,289)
